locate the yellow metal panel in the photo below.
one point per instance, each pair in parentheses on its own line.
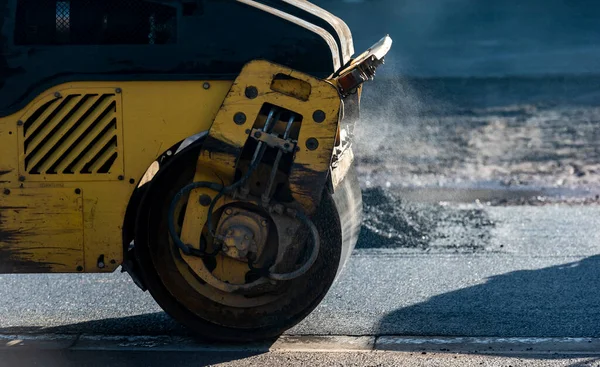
(41,230)
(68,135)
(152,117)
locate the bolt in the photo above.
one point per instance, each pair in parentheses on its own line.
(263,223)
(21,178)
(206,85)
(257,134)
(57,95)
(121,177)
(312,143)
(319,116)
(6,191)
(205,200)
(118,90)
(19,123)
(228,211)
(78,191)
(251,92)
(239,118)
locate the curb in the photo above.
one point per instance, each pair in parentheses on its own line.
(305,343)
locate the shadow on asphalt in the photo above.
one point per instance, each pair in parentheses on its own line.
(118,358)
(558,301)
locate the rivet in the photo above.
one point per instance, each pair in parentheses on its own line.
(251,92)
(206,85)
(131,181)
(257,134)
(57,95)
(248,131)
(6,191)
(101,265)
(205,200)
(121,177)
(312,143)
(319,116)
(19,123)
(118,90)
(22,178)
(239,118)
(78,191)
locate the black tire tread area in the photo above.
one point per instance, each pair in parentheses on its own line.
(208,319)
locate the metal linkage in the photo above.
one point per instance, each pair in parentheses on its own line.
(266,197)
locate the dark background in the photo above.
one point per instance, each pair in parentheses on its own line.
(478,37)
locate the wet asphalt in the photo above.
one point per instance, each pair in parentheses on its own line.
(474,270)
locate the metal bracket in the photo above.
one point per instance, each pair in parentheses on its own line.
(274,141)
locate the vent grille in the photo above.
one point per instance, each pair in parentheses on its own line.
(73,134)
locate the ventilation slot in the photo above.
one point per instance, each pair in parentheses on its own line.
(76,134)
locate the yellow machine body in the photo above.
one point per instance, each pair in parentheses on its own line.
(72,158)
(69,222)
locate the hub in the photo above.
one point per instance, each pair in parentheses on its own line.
(242,232)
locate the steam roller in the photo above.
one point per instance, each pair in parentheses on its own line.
(202,146)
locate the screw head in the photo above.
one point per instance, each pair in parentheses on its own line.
(169,153)
(118,90)
(20,123)
(251,92)
(206,85)
(319,116)
(257,134)
(131,181)
(312,143)
(205,200)
(22,178)
(101,265)
(57,95)
(6,191)
(239,118)
(78,191)
(121,177)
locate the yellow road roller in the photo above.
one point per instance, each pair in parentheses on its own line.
(202,146)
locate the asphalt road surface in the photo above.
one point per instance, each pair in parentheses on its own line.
(480,271)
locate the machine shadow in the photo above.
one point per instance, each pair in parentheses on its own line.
(139,329)
(557,301)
